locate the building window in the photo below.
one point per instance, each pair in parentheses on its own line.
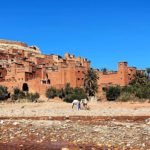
(78,78)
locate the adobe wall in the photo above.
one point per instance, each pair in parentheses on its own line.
(122,77)
(11,85)
(34,86)
(3,73)
(108,78)
(63,76)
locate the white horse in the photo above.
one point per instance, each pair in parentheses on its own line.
(84,103)
(75,103)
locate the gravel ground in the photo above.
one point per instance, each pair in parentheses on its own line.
(55,126)
(80,134)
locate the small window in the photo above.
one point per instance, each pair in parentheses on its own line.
(78,78)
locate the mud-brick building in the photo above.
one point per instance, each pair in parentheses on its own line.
(24,66)
(122,77)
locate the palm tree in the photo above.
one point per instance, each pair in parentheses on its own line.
(140,79)
(90,82)
(148,72)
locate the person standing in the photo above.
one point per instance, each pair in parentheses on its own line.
(79,105)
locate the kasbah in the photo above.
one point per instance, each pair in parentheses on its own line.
(26,67)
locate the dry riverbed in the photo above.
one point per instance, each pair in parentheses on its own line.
(54,126)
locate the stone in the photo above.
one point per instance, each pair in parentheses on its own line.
(64,148)
(2,122)
(15,123)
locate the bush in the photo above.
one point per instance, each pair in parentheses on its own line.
(112,93)
(33,96)
(77,93)
(126,96)
(14,97)
(61,93)
(51,92)
(17,91)
(68,89)
(139,90)
(128,89)
(80,93)
(141,86)
(18,94)
(68,93)
(143,92)
(3,93)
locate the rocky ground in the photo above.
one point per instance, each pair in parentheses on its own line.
(105,126)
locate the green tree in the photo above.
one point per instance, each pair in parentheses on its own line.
(18,94)
(141,79)
(140,86)
(68,89)
(3,93)
(76,93)
(90,82)
(51,92)
(112,93)
(61,93)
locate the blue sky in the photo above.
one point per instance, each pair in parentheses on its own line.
(104,31)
